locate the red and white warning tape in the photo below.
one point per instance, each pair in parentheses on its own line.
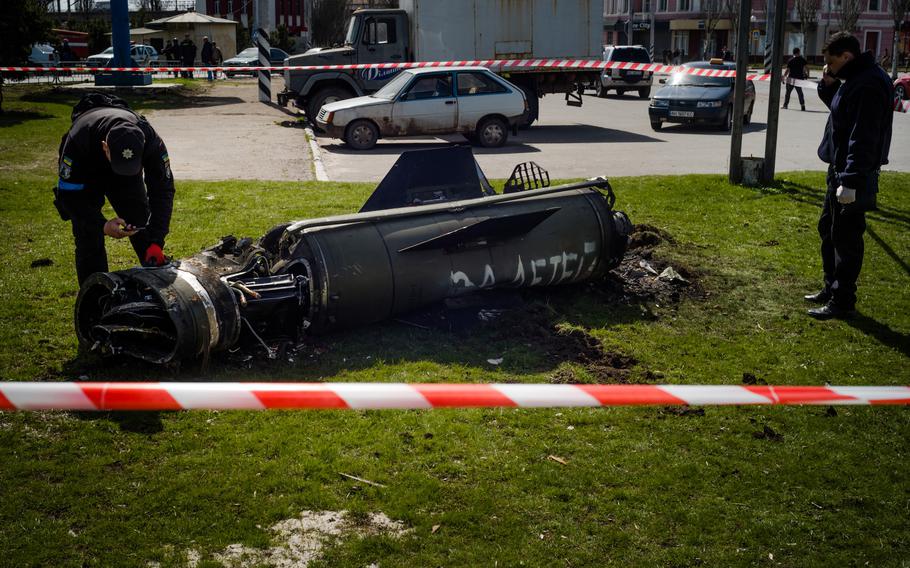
(259,396)
(513,65)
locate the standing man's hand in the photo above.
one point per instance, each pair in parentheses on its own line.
(845,196)
(117,228)
(827,77)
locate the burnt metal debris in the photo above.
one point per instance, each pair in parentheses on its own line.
(433,229)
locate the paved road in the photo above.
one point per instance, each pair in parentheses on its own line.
(227,134)
(612,136)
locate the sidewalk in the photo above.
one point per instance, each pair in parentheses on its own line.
(230,135)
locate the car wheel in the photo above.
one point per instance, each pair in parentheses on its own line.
(900,93)
(361,134)
(748,118)
(727,123)
(321,98)
(656,125)
(644,93)
(492,132)
(599,89)
(620,92)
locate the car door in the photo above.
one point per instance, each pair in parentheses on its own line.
(479,95)
(428,105)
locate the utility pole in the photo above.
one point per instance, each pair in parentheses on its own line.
(631,13)
(777,47)
(739,92)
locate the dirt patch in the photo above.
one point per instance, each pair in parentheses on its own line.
(301,540)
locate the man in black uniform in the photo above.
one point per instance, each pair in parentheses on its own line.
(104,155)
(796,69)
(855,145)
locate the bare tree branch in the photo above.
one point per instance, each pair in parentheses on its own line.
(808,17)
(850,11)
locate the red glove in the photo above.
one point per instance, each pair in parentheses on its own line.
(154,256)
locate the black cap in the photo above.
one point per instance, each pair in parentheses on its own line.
(126,142)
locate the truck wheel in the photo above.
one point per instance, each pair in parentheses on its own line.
(644,93)
(599,89)
(361,134)
(530,92)
(492,132)
(324,97)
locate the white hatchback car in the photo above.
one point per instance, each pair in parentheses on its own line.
(472,101)
(143,55)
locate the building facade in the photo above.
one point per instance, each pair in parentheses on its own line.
(683,26)
(266,14)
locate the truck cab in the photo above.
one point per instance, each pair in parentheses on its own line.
(373,36)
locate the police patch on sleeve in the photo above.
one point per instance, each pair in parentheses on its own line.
(66,167)
(166,161)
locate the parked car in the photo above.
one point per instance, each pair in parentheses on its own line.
(249,57)
(622,80)
(472,101)
(697,99)
(43,55)
(143,55)
(902,87)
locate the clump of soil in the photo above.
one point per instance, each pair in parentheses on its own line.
(536,325)
(643,278)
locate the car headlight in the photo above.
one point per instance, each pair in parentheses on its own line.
(710,104)
(660,103)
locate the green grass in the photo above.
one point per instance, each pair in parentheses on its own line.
(642,486)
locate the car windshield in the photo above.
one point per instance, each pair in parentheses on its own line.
(686,80)
(108,50)
(631,55)
(249,52)
(44,48)
(393,87)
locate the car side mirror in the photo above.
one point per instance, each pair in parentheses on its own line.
(663,81)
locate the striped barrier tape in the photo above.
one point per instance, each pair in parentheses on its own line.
(93,396)
(495,64)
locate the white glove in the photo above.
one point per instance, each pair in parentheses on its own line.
(845,195)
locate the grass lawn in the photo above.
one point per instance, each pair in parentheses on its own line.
(640,486)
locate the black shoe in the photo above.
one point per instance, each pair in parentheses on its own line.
(803,108)
(785,106)
(830,311)
(818,298)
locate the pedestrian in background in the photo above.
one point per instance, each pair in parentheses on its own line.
(797,68)
(172,54)
(207,56)
(217,58)
(855,145)
(187,55)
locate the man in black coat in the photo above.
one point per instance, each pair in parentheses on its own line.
(855,145)
(797,68)
(187,54)
(104,154)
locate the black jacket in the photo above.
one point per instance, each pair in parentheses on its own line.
(858,134)
(207,52)
(83,165)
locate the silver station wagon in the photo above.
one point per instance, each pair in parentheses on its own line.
(472,101)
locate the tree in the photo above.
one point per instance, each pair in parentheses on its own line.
(329,19)
(730,9)
(714,11)
(849,14)
(899,10)
(24,23)
(281,39)
(151,5)
(808,17)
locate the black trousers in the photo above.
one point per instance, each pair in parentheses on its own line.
(128,198)
(841,228)
(799,94)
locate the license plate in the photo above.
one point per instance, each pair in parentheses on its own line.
(633,73)
(682,113)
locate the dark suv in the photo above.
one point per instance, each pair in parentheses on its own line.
(622,80)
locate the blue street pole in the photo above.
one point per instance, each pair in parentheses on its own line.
(120,39)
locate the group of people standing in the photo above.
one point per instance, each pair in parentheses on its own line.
(185,52)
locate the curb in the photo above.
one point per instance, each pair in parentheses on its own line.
(318,164)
